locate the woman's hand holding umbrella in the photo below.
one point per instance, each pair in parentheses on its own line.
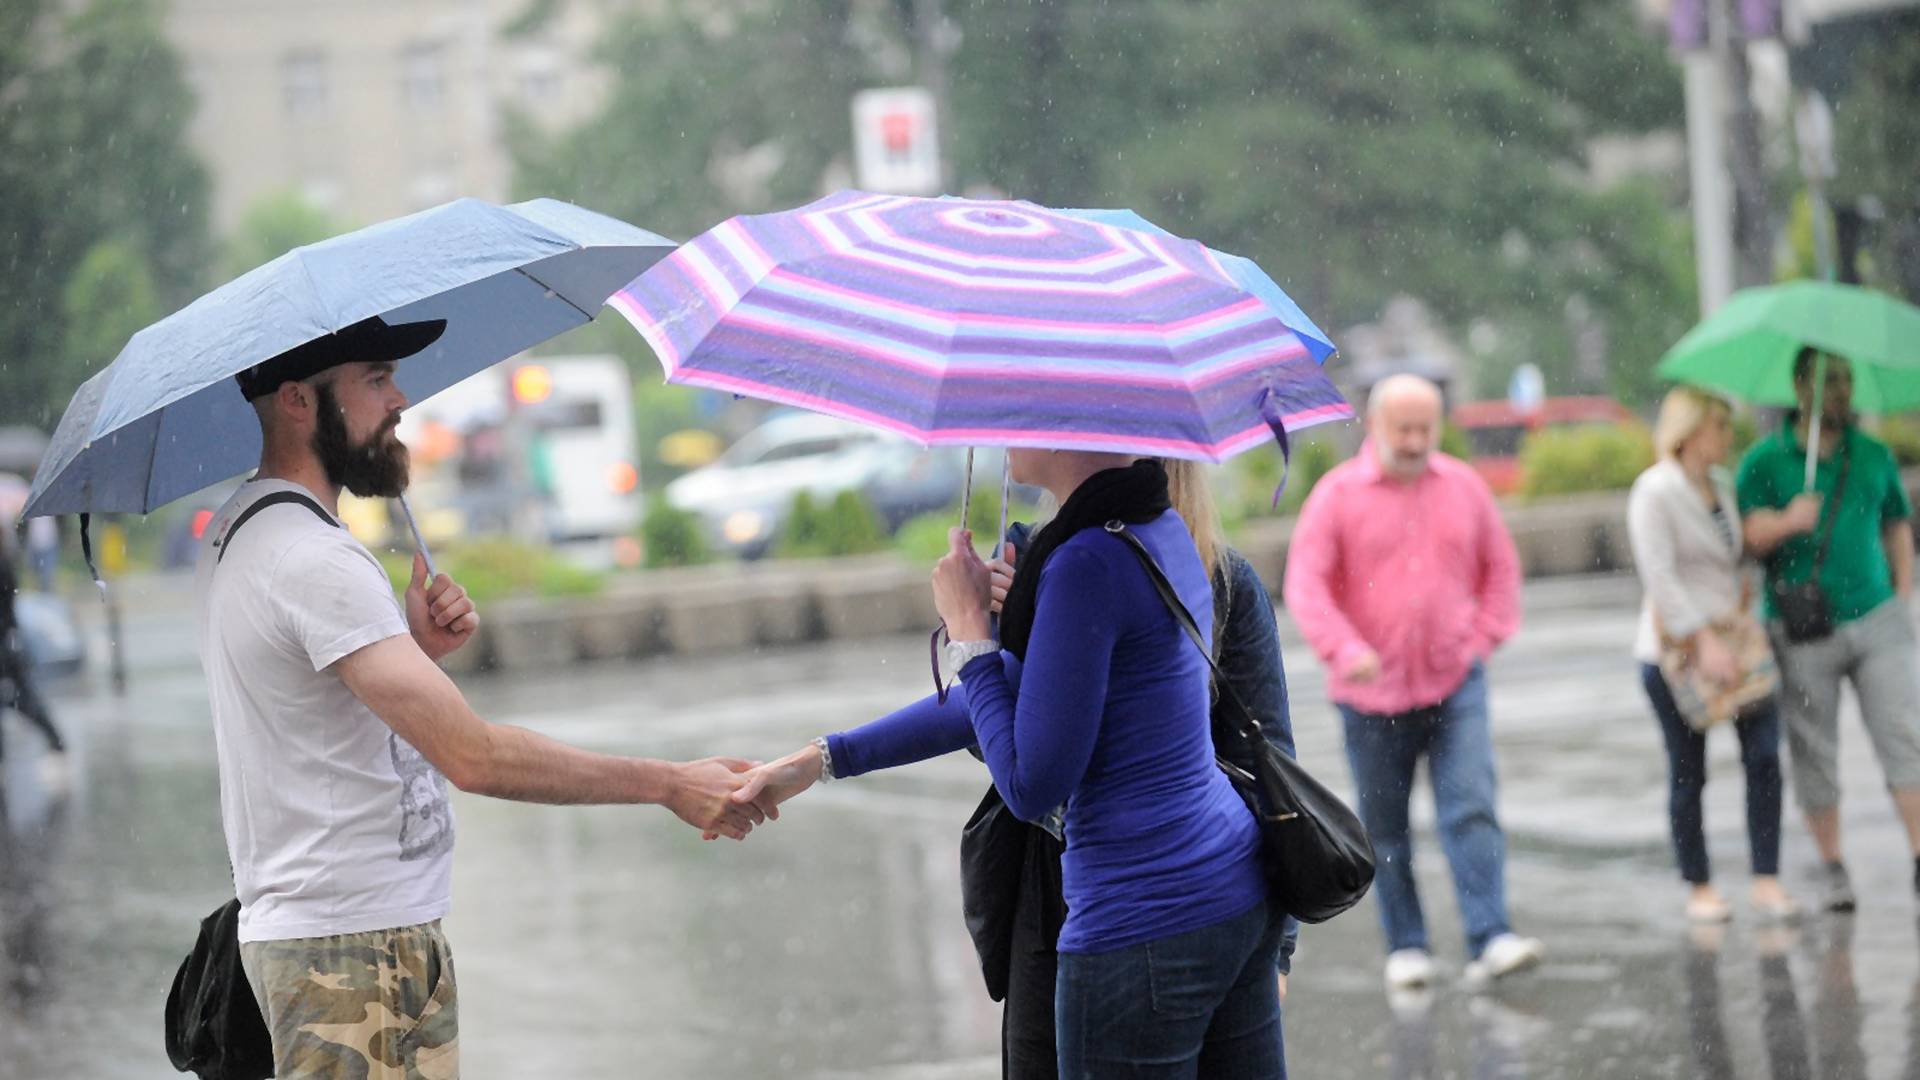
(963,589)
(1001,578)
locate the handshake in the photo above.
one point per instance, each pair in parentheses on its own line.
(728,796)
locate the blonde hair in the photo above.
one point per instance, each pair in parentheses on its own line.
(1192,498)
(1683,412)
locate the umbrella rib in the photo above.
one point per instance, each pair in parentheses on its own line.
(319,298)
(588,315)
(153,463)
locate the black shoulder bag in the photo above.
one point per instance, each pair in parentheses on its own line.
(1805,612)
(1318,859)
(213,1024)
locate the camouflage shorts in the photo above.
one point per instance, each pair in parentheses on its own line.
(373,1006)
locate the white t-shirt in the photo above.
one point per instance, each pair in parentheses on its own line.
(335,825)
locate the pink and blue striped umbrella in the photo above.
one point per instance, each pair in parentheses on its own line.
(964,322)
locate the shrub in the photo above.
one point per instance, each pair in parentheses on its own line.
(845,526)
(1245,488)
(670,536)
(924,539)
(1311,461)
(493,568)
(1902,436)
(1558,461)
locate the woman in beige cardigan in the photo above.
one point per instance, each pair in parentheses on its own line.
(1685,531)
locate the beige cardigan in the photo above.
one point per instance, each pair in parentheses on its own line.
(1688,573)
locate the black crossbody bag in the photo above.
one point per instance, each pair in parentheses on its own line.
(1806,613)
(214,1028)
(1315,851)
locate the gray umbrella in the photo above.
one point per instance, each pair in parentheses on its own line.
(166,418)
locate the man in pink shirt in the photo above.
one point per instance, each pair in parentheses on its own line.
(1404,580)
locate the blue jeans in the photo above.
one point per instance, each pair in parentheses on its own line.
(1385,751)
(1759,734)
(1205,1003)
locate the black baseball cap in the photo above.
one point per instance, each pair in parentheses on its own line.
(371,340)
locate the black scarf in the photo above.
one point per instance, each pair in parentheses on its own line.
(1136,495)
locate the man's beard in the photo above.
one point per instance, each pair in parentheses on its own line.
(376,468)
(1402,466)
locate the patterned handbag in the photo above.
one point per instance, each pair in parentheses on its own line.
(1704,703)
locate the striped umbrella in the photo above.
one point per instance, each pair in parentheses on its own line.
(962,322)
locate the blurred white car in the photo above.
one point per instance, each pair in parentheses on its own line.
(743,498)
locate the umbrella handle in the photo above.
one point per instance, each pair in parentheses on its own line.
(1006,493)
(966,490)
(419,542)
(1813,422)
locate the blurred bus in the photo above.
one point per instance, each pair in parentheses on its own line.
(541,449)
(578,415)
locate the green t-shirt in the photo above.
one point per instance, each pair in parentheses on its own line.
(1855,575)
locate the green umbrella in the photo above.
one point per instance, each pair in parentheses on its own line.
(1747,347)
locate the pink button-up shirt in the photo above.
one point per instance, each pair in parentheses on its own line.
(1421,572)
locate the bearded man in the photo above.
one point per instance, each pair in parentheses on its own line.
(336,731)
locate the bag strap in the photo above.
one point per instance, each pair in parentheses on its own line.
(1246,726)
(1839,490)
(273,499)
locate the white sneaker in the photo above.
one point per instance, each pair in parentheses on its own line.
(1409,969)
(1503,956)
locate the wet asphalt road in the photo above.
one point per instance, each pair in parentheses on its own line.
(611,942)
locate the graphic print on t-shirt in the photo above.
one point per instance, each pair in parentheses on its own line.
(426,825)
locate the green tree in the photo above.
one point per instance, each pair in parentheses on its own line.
(1356,150)
(1877,150)
(110,296)
(273,226)
(712,114)
(94,110)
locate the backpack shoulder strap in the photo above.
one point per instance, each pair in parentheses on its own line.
(273,499)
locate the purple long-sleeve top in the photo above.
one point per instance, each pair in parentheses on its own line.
(1110,718)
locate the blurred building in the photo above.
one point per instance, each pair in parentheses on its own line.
(374,108)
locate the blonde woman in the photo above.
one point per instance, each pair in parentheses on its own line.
(1040,1042)
(1685,529)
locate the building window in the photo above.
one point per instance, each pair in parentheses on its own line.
(423,76)
(303,82)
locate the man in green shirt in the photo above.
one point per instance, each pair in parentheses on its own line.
(1867,575)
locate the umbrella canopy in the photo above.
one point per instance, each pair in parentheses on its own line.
(989,323)
(1747,347)
(166,418)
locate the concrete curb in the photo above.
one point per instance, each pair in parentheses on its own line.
(742,606)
